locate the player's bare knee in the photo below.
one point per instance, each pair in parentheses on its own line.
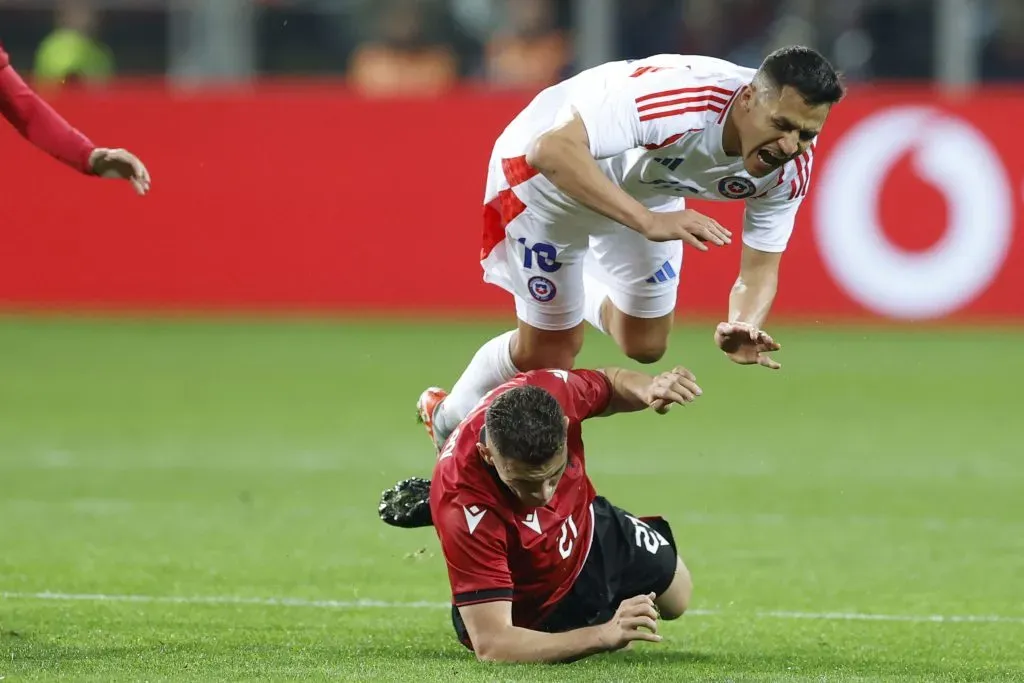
(645,350)
(645,340)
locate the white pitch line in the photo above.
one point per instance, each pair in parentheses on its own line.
(423,604)
(224,600)
(916,618)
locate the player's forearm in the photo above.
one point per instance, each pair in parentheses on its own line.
(40,124)
(754,291)
(630,390)
(751,300)
(516,644)
(568,164)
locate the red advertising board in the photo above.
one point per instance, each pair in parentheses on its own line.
(306,197)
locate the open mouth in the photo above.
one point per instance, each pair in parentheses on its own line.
(769,159)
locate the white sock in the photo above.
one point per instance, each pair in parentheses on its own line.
(491,366)
(594,294)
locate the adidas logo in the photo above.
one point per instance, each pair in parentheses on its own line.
(671,163)
(663,274)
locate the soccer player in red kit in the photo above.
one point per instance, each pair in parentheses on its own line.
(46,129)
(541,568)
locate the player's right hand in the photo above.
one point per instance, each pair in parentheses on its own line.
(689,226)
(678,385)
(636,619)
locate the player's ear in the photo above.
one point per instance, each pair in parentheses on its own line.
(485,454)
(748,94)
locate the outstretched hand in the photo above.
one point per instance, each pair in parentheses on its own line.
(122,165)
(678,385)
(746,344)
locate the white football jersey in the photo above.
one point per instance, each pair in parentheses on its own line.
(655,125)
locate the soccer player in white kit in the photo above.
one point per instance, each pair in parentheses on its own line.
(585,218)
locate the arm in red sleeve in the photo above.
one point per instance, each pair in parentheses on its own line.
(39,123)
(591,392)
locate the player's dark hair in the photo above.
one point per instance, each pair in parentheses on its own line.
(805,70)
(526,424)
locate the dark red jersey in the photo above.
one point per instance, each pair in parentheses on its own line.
(495,547)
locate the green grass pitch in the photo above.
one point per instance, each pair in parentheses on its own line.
(196,500)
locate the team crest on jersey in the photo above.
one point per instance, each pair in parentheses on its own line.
(735,187)
(541,288)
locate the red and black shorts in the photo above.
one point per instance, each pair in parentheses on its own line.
(629,556)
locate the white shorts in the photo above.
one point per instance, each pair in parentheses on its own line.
(543,260)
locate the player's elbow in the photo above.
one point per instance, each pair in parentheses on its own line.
(487,656)
(489,649)
(559,144)
(500,645)
(544,151)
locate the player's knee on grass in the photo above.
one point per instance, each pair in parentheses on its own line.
(536,349)
(673,603)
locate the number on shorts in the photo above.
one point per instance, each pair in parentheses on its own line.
(646,537)
(545,256)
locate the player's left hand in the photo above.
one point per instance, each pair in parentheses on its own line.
(746,344)
(122,165)
(678,385)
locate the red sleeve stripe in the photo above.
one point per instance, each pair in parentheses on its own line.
(706,89)
(706,106)
(666,142)
(807,174)
(796,182)
(715,99)
(800,182)
(648,69)
(721,117)
(682,100)
(799,174)
(807,171)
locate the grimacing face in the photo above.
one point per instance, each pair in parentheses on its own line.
(533,485)
(776,126)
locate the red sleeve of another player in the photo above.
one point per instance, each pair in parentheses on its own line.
(38,122)
(589,392)
(475,550)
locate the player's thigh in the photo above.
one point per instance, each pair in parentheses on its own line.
(642,278)
(540,262)
(641,557)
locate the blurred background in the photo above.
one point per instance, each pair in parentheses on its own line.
(362,124)
(426,45)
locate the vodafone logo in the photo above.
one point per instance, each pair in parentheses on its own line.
(960,162)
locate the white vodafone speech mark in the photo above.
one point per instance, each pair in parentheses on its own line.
(961,163)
